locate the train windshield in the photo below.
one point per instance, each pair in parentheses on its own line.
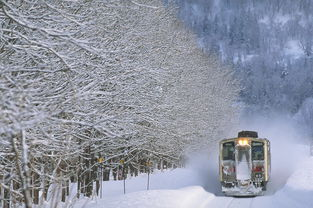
(257,150)
(228,151)
(243,154)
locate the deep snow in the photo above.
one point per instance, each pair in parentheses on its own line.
(197,185)
(182,188)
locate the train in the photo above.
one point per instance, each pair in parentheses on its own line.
(244,164)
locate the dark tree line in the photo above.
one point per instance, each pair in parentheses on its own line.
(269,43)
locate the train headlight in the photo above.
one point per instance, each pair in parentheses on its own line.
(243,142)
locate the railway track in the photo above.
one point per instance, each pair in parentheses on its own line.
(236,202)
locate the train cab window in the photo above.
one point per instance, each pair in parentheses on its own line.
(257,150)
(243,153)
(228,151)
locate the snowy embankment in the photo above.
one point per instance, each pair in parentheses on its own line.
(298,191)
(193,196)
(184,188)
(171,188)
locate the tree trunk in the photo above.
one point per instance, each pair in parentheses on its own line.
(88,176)
(6,196)
(63,192)
(23,168)
(35,178)
(106,174)
(78,183)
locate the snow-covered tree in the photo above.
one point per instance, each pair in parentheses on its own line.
(118,80)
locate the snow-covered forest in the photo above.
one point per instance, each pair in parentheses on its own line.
(268,43)
(101,85)
(101,98)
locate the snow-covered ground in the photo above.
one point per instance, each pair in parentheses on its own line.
(197,185)
(184,188)
(171,188)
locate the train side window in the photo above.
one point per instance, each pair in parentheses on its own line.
(228,151)
(257,150)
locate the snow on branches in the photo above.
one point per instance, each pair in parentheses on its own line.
(118,80)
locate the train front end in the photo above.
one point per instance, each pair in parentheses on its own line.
(244,164)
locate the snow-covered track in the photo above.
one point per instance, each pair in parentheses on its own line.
(240,202)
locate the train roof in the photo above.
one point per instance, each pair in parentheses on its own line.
(253,134)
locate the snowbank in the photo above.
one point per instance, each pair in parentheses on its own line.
(190,197)
(298,191)
(302,178)
(179,188)
(183,188)
(170,179)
